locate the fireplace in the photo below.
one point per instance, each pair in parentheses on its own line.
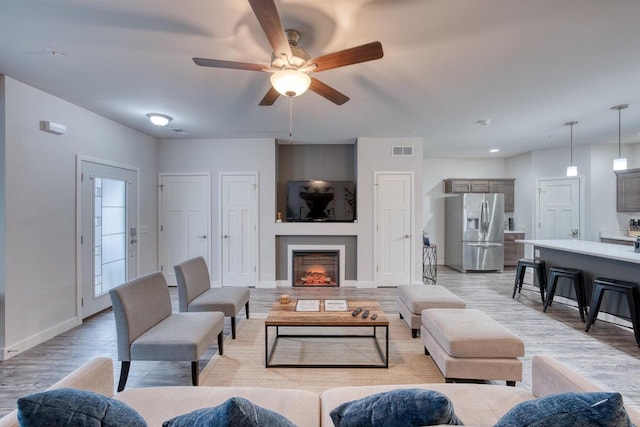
(315,268)
(316,265)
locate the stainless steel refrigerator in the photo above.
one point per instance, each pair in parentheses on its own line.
(474,232)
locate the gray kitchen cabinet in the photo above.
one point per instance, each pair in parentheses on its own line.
(628,190)
(504,186)
(616,241)
(513,251)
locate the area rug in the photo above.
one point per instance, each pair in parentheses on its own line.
(243,363)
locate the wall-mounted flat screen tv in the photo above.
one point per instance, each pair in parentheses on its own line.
(330,201)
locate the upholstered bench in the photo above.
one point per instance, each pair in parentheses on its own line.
(468,344)
(412,299)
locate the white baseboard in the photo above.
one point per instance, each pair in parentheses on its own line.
(269,284)
(21,346)
(363,284)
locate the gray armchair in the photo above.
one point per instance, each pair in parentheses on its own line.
(147,329)
(196,294)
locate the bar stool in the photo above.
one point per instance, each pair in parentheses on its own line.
(629,289)
(576,277)
(540,270)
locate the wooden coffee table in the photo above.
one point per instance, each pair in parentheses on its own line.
(284,318)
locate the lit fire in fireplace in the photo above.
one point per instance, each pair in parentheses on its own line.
(316,277)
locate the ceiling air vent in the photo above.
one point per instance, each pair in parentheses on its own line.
(178,130)
(400,150)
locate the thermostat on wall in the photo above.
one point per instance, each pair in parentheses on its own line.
(52,127)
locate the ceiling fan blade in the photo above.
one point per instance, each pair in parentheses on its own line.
(267,14)
(327,92)
(270,97)
(354,55)
(219,63)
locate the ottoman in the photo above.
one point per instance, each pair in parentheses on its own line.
(468,344)
(412,299)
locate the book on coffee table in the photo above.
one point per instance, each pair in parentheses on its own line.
(336,305)
(308,305)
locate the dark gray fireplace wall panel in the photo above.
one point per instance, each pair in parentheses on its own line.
(350,243)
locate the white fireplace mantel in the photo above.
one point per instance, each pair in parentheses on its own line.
(341,258)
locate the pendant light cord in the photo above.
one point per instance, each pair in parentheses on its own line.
(570,124)
(619,108)
(571,145)
(619,132)
(291,120)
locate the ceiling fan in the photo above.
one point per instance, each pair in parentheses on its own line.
(291,65)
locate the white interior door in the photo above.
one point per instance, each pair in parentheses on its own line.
(559,208)
(392,224)
(108,232)
(184,220)
(239,208)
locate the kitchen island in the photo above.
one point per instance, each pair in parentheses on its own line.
(595,259)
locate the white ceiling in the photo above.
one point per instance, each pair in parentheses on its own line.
(528,65)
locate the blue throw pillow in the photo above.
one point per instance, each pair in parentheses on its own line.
(569,410)
(396,408)
(235,412)
(73,407)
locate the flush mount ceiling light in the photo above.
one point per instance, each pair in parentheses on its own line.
(494,150)
(290,82)
(572,170)
(159,119)
(620,163)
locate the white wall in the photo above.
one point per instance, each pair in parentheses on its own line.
(437,169)
(520,168)
(231,155)
(374,155)
(40,294)
(3,287)
(248,155)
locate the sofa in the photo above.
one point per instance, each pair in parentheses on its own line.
(474,404)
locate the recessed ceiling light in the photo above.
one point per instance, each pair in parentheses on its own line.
(54,52)
(159,119)
(494,150)
(483,122)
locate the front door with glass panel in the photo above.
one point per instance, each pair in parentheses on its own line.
(108,232)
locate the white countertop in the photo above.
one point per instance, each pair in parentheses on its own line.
(586,247)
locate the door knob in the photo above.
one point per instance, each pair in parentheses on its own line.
(226,236)
(406,236)
(204,236)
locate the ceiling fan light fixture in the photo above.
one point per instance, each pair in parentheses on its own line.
(290,82)
(159,119)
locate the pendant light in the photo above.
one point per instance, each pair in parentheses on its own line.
(620,163)
(572,170)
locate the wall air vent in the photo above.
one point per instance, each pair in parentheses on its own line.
(399,150)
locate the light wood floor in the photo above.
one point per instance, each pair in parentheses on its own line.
(608,354)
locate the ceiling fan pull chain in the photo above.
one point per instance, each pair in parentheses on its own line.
(290,120)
